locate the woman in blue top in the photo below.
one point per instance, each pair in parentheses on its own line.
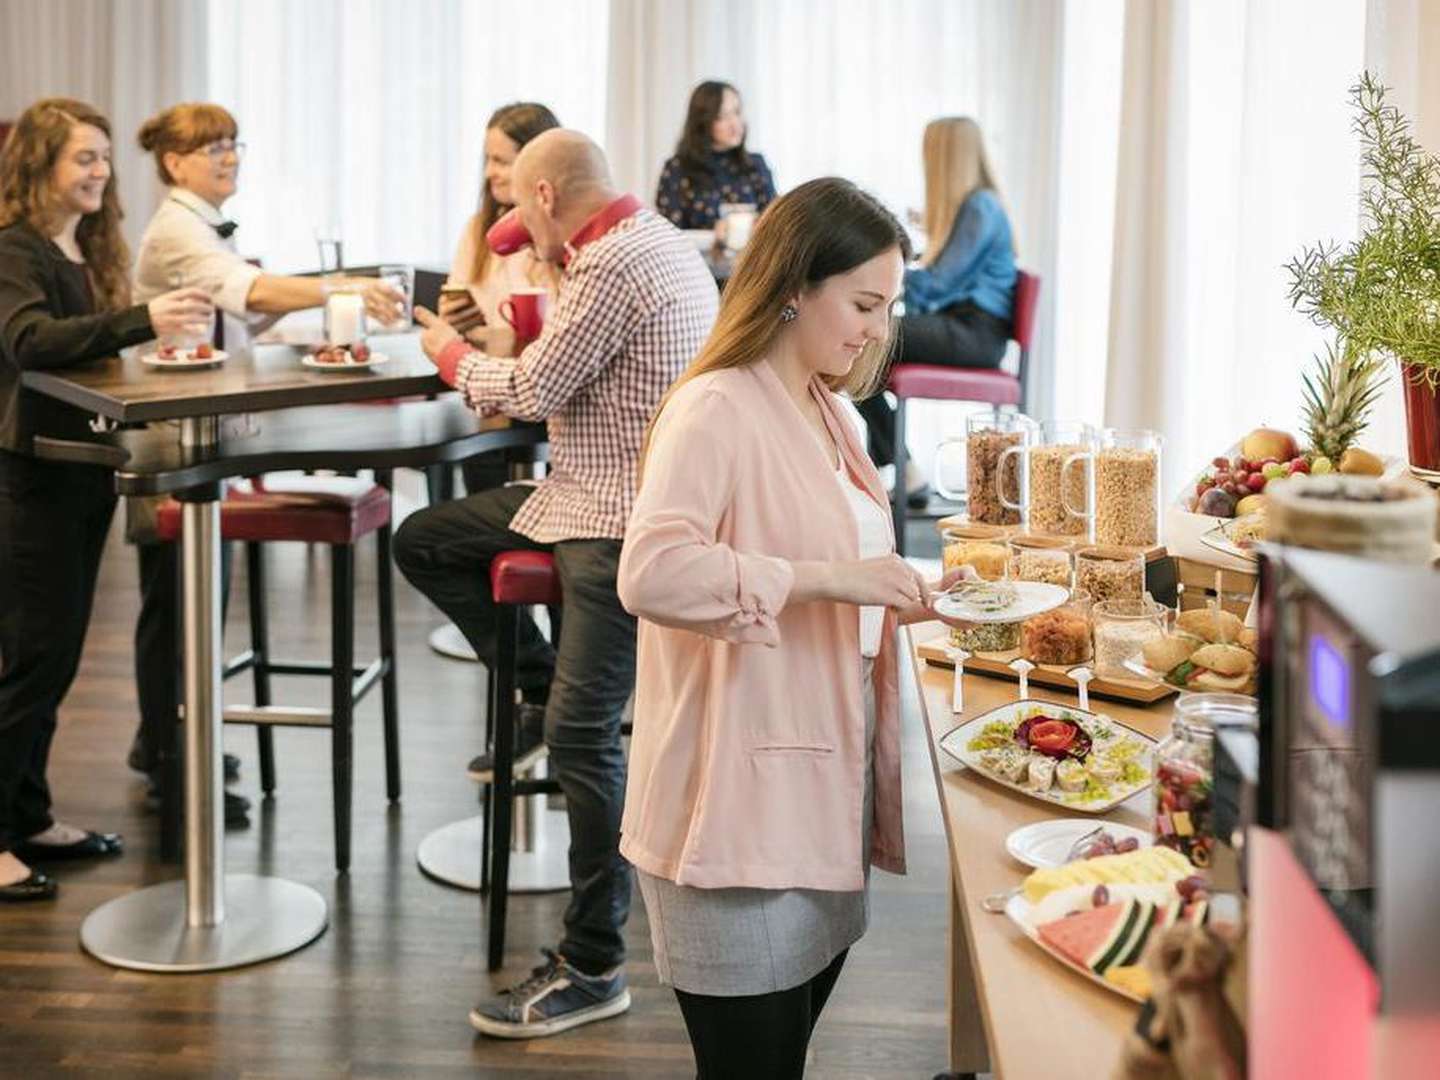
(958,301)
(711,165)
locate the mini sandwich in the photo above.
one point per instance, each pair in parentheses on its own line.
(1164,653)
(1217,667)
(1041,773)
(1210,624)
(1224,659)
(1070,775)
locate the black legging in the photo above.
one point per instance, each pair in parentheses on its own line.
(758,1036)
(962,336)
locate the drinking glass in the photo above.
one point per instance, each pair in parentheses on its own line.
(402,279)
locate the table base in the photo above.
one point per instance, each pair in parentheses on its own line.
(145,930)
(451,854)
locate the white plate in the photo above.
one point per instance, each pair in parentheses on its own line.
(181,360)
(1046,843)
(376,359)
(1217,540)
(954,743)
(1031,598)
(1018,910)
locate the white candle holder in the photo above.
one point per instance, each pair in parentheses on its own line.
(957,656)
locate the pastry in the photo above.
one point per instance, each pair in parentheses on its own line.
(1163,653)
(1212,624)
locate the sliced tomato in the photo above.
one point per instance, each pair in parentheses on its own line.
(1051,736)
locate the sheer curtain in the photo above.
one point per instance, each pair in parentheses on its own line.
(367,117)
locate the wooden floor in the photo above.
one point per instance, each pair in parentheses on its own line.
(385,991)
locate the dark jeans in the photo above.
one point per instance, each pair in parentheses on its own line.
(53,523)
(445,552)
(962,336)
(158,647)
(758,1036)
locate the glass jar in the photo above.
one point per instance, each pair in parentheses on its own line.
(999,637)
(1110,573)
(1185,771)
(991,476)
(981,546)
(1122,628)
(1127,488)
(1039,558)
(1062,479)
(1061,636)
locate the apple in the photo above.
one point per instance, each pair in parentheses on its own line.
(1268,443)
(1249,505)
(1217,503)
(1298,464)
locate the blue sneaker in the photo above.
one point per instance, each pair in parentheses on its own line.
(555,998)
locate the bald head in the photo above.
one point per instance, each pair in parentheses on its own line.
(560,179)
(571,162)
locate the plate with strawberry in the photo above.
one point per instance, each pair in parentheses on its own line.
(203,355)
(332,358)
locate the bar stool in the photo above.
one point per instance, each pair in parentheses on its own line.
(942,383)
(336,511)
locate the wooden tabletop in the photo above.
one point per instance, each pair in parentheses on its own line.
(1038,1018)
(257,380)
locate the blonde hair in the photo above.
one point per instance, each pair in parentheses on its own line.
(821,228)
(182,129)
(27,193)
(956,166)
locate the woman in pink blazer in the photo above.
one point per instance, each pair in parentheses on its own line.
(765,766)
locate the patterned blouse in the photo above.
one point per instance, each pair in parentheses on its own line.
(693,201)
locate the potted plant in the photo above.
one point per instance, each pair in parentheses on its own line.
(1381,292)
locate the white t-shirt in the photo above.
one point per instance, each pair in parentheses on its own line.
(872,525)
(181,239)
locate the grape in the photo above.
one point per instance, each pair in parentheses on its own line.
(1188,887)
(1100,897)
(1130,843)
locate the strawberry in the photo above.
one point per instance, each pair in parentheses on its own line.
(360,351)
(204,351)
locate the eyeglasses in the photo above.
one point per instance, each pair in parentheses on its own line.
(217,150)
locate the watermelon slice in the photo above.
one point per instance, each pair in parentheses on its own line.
(1090,934)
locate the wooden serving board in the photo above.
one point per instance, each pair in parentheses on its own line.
(1053,675)
(1009,532)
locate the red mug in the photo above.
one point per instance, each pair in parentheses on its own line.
(508,235)
(525,312)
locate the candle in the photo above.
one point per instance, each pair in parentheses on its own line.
(344,318)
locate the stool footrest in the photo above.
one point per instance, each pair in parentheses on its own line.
(279,715)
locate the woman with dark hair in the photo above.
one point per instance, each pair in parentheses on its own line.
(711,165)
(64,299)
(765,765)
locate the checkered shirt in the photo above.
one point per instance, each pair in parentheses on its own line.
(633,309)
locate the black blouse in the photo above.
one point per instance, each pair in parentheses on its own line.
(48,320)
(692,201)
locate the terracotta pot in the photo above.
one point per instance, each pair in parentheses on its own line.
(1422,420)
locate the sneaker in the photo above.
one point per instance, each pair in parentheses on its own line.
(555,998)
(529,745)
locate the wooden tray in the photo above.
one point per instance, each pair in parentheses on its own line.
(1007,532)
(1051,675)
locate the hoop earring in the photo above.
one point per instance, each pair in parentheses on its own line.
(788,313)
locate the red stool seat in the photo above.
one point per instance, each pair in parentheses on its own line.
(938,382)
(313,510)
(524,577)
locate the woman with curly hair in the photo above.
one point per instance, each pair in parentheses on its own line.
(64,300)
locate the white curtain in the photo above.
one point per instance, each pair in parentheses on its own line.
(127,58)
(367,117)
(1235,150)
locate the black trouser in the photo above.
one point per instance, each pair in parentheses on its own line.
(445,551)
(962,336)
(53,523)
(759,1036)
(159,650)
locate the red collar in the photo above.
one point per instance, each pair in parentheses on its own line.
(601,222)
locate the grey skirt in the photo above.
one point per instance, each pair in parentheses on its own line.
(739,941)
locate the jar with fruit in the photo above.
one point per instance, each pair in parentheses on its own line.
(1185,771)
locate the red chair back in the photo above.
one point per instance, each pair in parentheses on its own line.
(1027,301)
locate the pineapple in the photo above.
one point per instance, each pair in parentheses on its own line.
(1338,399)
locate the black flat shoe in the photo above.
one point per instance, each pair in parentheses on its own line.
(237,807)
(918,499)
(35,887)
(143,762)
(92,846)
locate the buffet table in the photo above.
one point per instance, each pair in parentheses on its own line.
(1013,1010)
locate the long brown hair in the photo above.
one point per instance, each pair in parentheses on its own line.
(956,166)
(182,129)
(696,143)
(521,121)
(27,193)
(822,228)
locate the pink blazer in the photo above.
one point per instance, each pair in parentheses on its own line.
(747,762)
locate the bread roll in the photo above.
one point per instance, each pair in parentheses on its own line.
(1212,624)
(1224,659)
(1214,681)
(1163,653)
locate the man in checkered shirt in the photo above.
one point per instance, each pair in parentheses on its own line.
(635,304)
